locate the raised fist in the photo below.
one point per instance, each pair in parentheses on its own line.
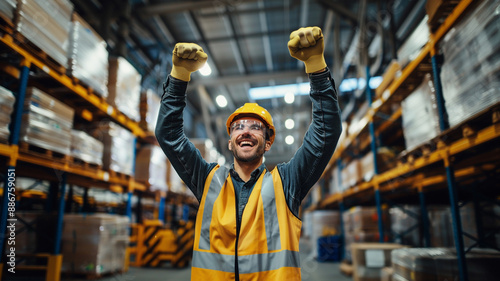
(306,44)
(187,58)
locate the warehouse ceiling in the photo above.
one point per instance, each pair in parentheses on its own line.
(246,41)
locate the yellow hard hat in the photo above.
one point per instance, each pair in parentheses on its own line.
(253,110)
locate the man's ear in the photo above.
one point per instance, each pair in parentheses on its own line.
(268,146)
(229,145)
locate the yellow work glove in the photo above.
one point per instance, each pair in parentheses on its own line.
(187,58)
(306,44)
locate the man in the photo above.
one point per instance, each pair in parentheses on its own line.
(247,226)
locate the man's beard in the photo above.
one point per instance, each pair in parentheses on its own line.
(258,154)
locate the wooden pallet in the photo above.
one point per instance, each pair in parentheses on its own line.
(121,176)
(83,164)
(43,152)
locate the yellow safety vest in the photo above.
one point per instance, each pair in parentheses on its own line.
(268,243)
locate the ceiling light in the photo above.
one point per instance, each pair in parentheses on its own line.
(205,70)
(289,140)
(289,97)
(289,123)
(221,101)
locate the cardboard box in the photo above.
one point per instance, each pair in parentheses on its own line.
(151,167)
(370,258)
(149,109)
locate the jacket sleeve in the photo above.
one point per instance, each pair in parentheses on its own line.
(320,140)
(185,158)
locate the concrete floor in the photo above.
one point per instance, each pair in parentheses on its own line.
(311,271)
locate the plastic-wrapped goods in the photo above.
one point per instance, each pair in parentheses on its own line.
(420,115)
(47,122)
(7,101)
(370,258)
(86,148)
(149,108)
(405,225)
(119,147)
(440,230)
(47,24)
(351,174)
(410,49)
(88,57)
(151,167)
(423,264)
(324,223)
(7,9)
(94,244)
(334,184)
(470,74)
(124,87)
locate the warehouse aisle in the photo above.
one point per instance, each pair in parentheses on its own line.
(311,271)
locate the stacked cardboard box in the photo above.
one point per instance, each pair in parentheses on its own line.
(420,115)
(419,264)
(88,57)
(124,87)
(86,148)
(119,147)
(361,225)
(470,74)
(351,174)
(94,244)
(149,108)
(47,122)
(47,25)
(7,101)
(369,259)
(151,167)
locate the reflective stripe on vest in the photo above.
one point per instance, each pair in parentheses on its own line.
(212,194)
(249,263)
(270,214)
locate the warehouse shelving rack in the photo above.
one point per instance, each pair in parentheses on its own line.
(46,167)
(425,169)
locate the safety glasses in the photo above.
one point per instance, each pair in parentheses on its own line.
(253,126)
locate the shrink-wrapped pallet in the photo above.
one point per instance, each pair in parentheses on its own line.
(386,159)
(7,10)
(366,218)
(94,244)
(119,147)
(88,57)
(149,108)
(369,259)
(413,45)
(420,115)
(86,148)
(7,101)
(405,225)
(47,122)
(124,87)
(151,167)
(470,74)
(423,264)
(324,223)
(47,25)
(351,174)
